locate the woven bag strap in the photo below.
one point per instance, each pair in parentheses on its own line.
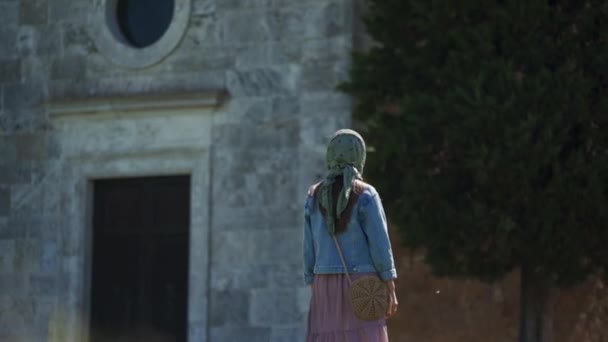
(342,258)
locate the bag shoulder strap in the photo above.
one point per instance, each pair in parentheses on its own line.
(342,258)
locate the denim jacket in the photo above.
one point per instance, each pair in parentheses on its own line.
(365,242)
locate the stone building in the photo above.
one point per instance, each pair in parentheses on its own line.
(154,157)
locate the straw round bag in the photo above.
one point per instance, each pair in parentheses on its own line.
(369,298)
(368,294)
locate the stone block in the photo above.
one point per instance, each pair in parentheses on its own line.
(278,216)
(204,7)
(43,285)
(33,12)
(8,153)
(246,26)
(10,232)
(53,150)
(27,37)
(288,334)
(13,285)
(19,98)
(229,248)
(247,277)
(244,110)
(72,264)
(69,68)
(279,135)
(312,171)
(71,242)
(48,39)
(229,307)
(15,319)
(68,10)
(26,203)
(99,83)
(323,114)
(303,296)
(202,59)
(268,247)
(289,23)
(197,331)
(10,13)
(8,39)
(203,31)
(30,146)
(9,173)
(243,4)
(260,111)
(292,3)
(68,283)
(49,258)
(23,222)
(76,40)
(239,334)
(311,20)
(267,194)
(327,49)
(331,19)
(41,41)
(7,255)
(44,309)
(5,231)
(323,104)
(286,107)
(271,307)
(323,76)
(97,66)
(27,255)
(263,54)
(5,201)
(10,71)
(263,82)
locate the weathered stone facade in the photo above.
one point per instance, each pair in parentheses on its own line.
(240,95)
(248,102)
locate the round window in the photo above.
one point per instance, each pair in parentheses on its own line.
(143,22)
(138,33)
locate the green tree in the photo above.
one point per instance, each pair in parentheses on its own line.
(487,122)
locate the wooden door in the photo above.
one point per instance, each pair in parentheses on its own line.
(139,279)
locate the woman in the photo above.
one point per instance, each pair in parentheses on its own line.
(343,204)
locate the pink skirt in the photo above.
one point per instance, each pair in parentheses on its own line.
(331,318)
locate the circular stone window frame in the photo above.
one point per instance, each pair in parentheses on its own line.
(113,45)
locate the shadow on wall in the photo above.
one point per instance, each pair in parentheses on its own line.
(444,310)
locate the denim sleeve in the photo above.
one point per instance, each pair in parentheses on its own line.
(373,222)
(309,252)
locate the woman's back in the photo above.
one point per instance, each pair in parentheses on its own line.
(364,235)
(342,205)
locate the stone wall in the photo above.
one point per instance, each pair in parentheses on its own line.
(279,62)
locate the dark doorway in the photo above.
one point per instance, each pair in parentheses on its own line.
(139,282)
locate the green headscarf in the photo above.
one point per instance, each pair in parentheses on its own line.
(346,158)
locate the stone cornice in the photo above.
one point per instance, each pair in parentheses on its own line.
(146,102)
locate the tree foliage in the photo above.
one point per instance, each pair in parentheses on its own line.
(488,122)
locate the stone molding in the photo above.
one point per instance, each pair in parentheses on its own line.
(110,42)
(130,137)
(148,102)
